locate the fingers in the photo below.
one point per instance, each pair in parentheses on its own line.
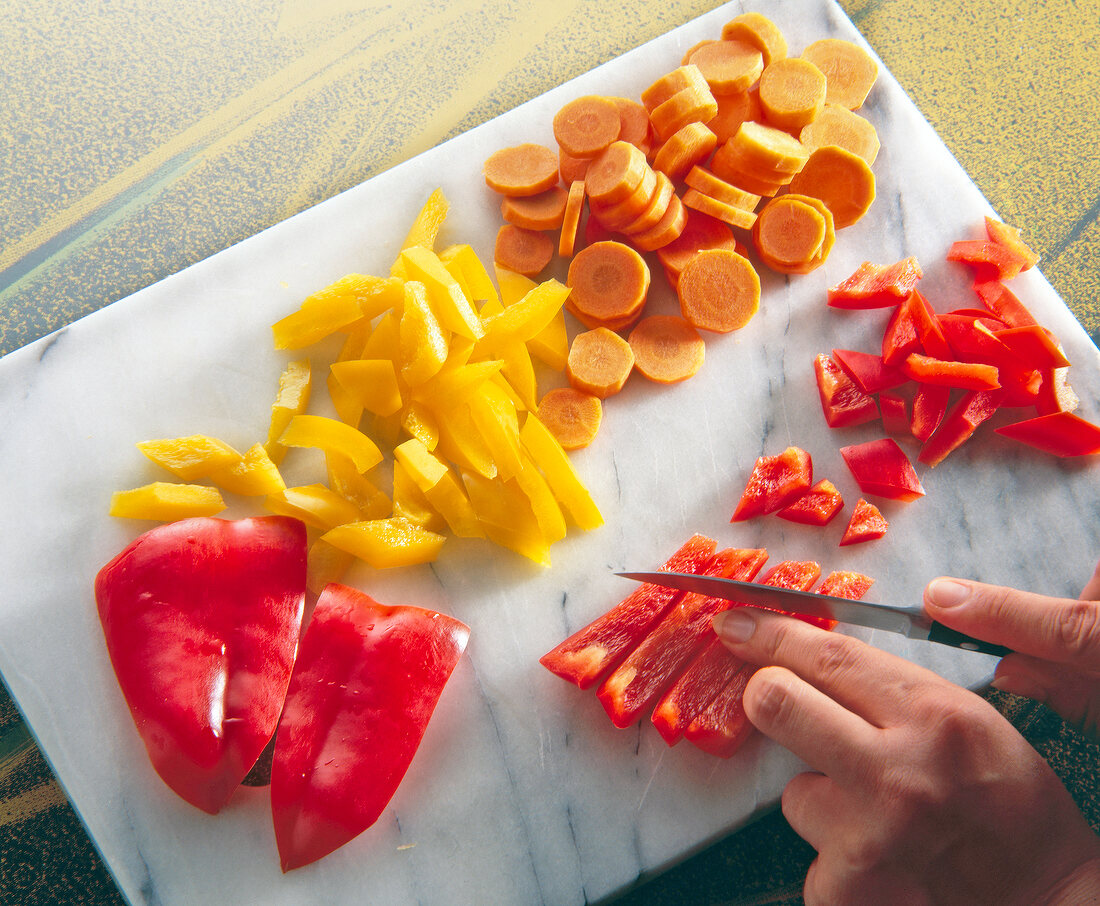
(1072,694)
(1091,591)
(813,805)
(1054,629)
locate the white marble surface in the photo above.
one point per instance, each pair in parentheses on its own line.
(522,791)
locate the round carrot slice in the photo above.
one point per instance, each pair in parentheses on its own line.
(571,415)
(841,179)
(768,149)
(616,173)
(571,219)
(666,230)
(826,244)
(761,32)
(792,93)
(525,169)
(572,168)
(692,105)
(526,252)
(599,362)
(733,110)
(667,349)
(618,215)
(608,281)
(687,147)
(535,212)
(633,123)
(788,233)
(586,125)
(709,184)
(729,66)
(729,164)
(686,76)
(719,290)
(655,210)
(850,71)
(727,213)
(700,232)
(839,126)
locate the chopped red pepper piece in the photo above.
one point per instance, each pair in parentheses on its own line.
(694,689)
(963,375)
(880,467)
(866,524)
(587,655)
(1002,302)
(929,331)
(817,506)
(868,371)
(1060,433)
(959,424)
(895,415)
(201,619)
(929,407)
(845,584)
(990,260)
(876,285)
(842,402)
(1009,237)
(1035,345)
(775,481)
(1055,394)
(366,683)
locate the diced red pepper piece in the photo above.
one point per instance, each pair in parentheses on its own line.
(866,524)
(900,337)
(775,481)
(867,370)
(843,403)
(1035,345)
(895,415)
(1002,302)
(587,655)
(651,668)
(845,584)
(1055,394)
(929,407)
(990,260)
(366,683)
(959,424)
(977,314)
(880,467)
(817,506)
(1060,433)
(876,285)
(201,619)
(1009,237)
(963,375)
(929,332)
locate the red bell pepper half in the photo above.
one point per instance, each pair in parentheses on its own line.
(959,424)
(868,371)
(366,682)
(880,467)
(842,402)
(201,619)
(1060,433)
(817,506)
(587,655)
(774,482)
(866,524)
(876,285)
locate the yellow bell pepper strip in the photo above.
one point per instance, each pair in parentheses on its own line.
(372,383)
(325,564)
(328,434)
(551,344)
(448,300)
(423,343)
(513,286)
(462,443)
(464,265)
(410,504)
(556,468)
(254,474)
(502,382)
(454,385)
(344,478)
(295,384)
(547,512)
(426,227)
(164,501)
(494,414)
(418,421)
(440,485)
(386,543)
(529,316)
(192,457)
(316,505)
(384,341)
(338,305)
(506,516)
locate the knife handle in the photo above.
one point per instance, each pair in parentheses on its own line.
(945,636)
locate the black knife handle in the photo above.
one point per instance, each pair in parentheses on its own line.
(943,635)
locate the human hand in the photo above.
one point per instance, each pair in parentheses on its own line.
(1056,641)
(926,794)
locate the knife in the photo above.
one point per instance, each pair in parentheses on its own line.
(911,622)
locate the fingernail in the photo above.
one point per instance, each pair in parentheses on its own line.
(735,625)
(947,593)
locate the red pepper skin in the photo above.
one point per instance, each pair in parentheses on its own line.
(900,337)
(695,688)
(845,584)
(367,680)
(775,481)
(1003,303)
(201,619)
(880,467)
(866,524)
(817,506)
(961,375)
(990,260)
(959,424)
(895,414)
(929,407)
(1035,345)
(842,402)
(1060,433)
(867,370)
(876,285)
(928,328)
(590,653)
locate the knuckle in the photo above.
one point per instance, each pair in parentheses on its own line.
(836,655)
(770,699)
(1077,631)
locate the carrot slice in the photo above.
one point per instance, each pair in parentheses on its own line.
(839,126)
(586,125)
(599,362)
(618,215)
(655,210)
(667,229)
(535,212)
(608,281)
(729,66)
(684,149)
(830,234)
(733,110)
(574,205)
(692,105)
(526,252)
(768,150)
(842,180)
(616,173)
(570,168)
(699,233)
(633,124)
(788,233)
(704,181)
(572,416)
(792,93)
(719,290)
(712,207)
(667,349)
(761,32)
(686,76)
(730,165)
(525,169)
(849,70)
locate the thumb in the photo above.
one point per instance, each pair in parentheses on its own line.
(1054,629)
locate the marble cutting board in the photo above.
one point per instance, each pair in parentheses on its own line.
(522,791)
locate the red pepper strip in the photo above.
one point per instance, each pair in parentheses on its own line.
(868,371)
(929,408)
(1002,302)
(876,285)
(977,314)
(963,375)
(1055,394)
(651,668)
(845,584)
(842,402)
(928,327)
(1009,237)
(201,619)
(587,655)
(866,524)
(722,726)
(990,260)
(775,481)
(900,337)
(1060,433)
(880,467)
(959,424)
(1035,345)
(367,680)
(817,506)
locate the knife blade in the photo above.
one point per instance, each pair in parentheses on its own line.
(910,621)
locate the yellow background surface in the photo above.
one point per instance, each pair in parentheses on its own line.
(137,139)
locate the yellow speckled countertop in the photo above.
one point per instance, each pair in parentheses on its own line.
(138,139)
